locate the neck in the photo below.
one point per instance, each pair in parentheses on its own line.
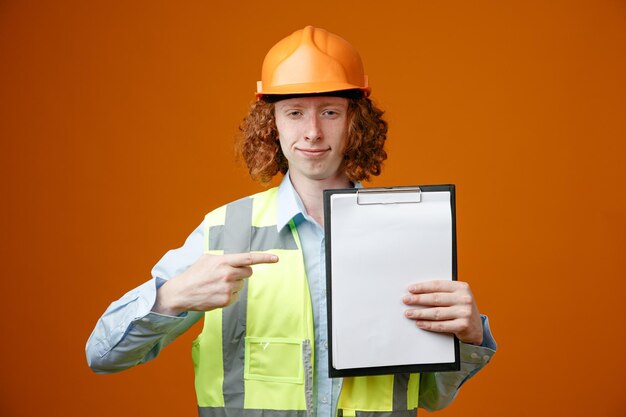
(311,192)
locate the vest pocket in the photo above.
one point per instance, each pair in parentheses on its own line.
(274,359)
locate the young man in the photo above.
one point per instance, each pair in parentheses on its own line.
(255,268)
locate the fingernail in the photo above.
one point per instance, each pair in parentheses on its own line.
(406,299)
(274,258)
(409,313)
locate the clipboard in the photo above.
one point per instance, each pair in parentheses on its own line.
(378,242)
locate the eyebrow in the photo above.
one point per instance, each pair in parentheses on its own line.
(299,104)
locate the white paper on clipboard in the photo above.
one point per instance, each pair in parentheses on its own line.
(378,250)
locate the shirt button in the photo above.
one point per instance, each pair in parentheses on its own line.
(474,355)
(324,400)
(485,358)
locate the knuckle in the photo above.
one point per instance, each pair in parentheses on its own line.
(223,300)
(464,324)
(466,299)
(426,325)
(222,268)
(223,289)
(466,311)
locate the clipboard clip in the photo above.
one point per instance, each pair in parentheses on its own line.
(404,195)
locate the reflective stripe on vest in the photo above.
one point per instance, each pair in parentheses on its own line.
(255,358)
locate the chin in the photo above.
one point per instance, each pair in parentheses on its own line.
(320,176)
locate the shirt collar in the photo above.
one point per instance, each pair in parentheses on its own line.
(289,202)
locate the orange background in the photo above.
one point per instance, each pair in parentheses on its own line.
(117,122)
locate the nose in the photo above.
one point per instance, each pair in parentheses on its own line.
(313,133)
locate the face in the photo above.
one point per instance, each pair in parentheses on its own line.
(313,133)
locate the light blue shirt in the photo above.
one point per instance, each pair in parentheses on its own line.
(129,333)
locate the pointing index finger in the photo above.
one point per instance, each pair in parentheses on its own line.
(248,259)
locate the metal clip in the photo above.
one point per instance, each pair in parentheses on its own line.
(402,192)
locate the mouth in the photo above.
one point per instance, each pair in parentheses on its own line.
(312,153)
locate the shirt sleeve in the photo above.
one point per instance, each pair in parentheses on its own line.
(438,389)
(129,333)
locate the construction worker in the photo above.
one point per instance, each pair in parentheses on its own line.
(254,269)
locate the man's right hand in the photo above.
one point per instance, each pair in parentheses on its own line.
(211,282)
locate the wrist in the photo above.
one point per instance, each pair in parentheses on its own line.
(164,303)
(474,338)
(474,341)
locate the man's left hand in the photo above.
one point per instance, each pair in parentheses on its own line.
(445,307)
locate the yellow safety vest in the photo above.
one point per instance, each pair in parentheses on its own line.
(255,357)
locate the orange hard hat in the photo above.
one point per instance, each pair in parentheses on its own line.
(309,61)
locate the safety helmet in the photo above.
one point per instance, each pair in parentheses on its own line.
(309,61)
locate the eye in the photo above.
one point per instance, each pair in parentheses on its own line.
(294,114)
(331,113)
